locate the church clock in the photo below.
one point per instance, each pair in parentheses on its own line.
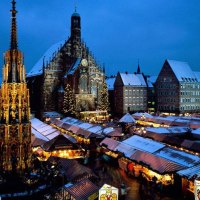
(84,63)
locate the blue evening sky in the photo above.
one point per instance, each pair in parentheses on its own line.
(118,32)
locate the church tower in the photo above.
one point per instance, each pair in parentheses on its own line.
(76,35)
(15,126)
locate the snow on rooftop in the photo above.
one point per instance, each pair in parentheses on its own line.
(197,74)
(152,79)
(110,83)
(44,128)
(52,114)
(170,130)
(190,172)
(74,67)
(49,131)
(143,144)
(159,130)
(197,131)
(95,129)
(147,115)
(132,79)
(180,157)
(39,135)
(37,68)
(36,122)
(182,71)
(85,125)
(69,120)
(109,143)
(108,130)
(127,118)
(126,149)
(53,135)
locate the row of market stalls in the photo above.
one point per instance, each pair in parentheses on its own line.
(48,141)
(179,137)
(138,155)
(81,180)
(157,121)
(84,132)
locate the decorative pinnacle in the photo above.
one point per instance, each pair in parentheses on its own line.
(13,44)
(75,7)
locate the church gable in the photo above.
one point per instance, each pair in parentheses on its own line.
(68,62)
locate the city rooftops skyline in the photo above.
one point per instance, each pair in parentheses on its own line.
(148,31)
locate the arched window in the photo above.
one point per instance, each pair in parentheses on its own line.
(83,84)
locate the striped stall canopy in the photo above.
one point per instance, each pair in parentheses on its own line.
(72,169)
(66,126)
(190,173)
(57,122)
(127,150)
(82,190)
(109,143)
(84,133)
(177,156)
(161,165)
(73,128)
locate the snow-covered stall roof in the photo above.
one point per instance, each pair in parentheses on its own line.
(182,71)
(132,79)
(70,120)
(139,115)
(196,133)
(49,131)
(143,144)
(160,130)
(168,131)
(37,139)
(44,129)
(52,135)
(127,150)
(109,143)
(127,118)
(73,128)
(85,125)
(52,114)
(107,130)
(110,83)
(84,133)
(177,156)
(82,190)
(95,129)
(38,135)
(37,68)
(192,172)
(156,163)
(36,122)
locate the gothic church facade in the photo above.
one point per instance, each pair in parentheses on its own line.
(67,62)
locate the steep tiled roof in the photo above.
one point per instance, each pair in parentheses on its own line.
(37,68)
(182,71)
(133,79)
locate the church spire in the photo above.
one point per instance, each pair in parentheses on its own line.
(138,69)
(13,43)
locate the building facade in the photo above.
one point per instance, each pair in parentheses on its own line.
(15,126)
(130,91)
(177,88)
(67,62)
